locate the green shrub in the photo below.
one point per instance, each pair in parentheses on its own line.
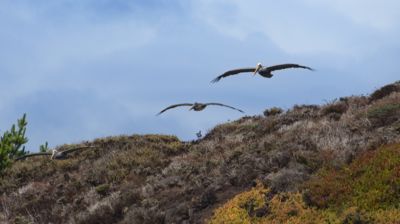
(369,183)
(44,147)
(385,114)
(273,111)
(11,143)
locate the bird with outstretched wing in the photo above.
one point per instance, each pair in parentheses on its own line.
(55,154)
(198,106)
(261,70)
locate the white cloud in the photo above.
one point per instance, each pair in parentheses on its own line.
(381,15)
(39,47)
(301,26)
(52,41)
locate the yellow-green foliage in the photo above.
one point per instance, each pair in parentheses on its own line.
(236,209)
(282,208)
(290,208)
(371,182)
(366,191)
(387,216)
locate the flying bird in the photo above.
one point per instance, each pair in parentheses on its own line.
(197,106)
(55,154)
(260,69)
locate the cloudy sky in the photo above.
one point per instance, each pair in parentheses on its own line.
(93,68)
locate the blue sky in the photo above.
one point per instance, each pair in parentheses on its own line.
(93,68)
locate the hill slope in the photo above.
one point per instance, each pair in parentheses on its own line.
(159,179)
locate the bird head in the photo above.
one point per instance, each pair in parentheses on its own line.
(53,153)
(192,107)
(258,67)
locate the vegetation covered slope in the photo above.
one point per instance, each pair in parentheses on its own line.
(159,179)
(366,191)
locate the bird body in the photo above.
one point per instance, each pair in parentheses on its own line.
(58,155)
(198,106)
(261,70)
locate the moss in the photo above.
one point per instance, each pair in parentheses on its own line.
(103,189)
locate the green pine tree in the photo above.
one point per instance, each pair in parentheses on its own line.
(11,143)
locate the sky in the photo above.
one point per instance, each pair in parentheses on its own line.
(88,69)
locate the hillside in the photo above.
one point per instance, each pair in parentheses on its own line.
(248,169)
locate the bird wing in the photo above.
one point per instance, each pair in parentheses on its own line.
(34,154)
(75,149)
(220,104)
(233,72)
(285,66)
(175,105)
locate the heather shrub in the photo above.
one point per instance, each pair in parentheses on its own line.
(335,110)
(385,91)
(273,111)
(384,114)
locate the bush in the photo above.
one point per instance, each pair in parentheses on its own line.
(384,114)
(369,183)
(238,209)
(272,111)
(366,191)
(385,91)
(335,110)
(282,208)
(11,143)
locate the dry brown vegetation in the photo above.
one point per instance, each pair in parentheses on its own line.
(160,179)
